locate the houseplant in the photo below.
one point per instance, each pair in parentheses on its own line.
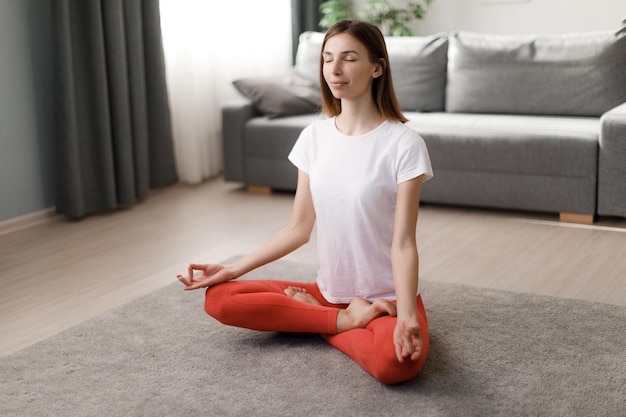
(391,20)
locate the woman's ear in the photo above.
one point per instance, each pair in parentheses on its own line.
(380,69)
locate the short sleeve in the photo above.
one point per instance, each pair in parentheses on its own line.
(300,155)
(413,159)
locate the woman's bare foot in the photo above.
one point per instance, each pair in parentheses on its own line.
(360,312)
(301,294)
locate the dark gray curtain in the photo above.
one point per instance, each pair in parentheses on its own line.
(114,136)
(305,15)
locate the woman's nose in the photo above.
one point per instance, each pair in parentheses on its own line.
(336,67)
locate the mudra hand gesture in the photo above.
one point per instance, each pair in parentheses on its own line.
(407,339)
(212,274)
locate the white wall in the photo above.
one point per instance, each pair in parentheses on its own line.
(522,16)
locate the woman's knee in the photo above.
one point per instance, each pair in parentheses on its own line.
(215,302)
(390,370)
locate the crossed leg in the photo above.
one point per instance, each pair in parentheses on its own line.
(373,348)
(362,330)
(358,314)
(263,305)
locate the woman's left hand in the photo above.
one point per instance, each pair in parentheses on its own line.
(407,339)
(211,274)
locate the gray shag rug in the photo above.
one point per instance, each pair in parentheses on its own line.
(493,353)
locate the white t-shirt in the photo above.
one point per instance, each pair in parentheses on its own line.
(353,181)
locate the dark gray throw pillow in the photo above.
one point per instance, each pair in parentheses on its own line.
(281,96)
(577,74)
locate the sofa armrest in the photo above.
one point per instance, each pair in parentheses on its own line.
(234,118)
(612,163)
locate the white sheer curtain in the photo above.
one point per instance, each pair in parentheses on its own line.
(207,45)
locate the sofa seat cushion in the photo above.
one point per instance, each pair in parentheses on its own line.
(576,74)
(267,144)
(535,145)
(542,163)
(273,138)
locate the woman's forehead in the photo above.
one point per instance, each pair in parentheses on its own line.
(343,42)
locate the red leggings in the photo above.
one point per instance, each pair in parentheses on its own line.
(262,305)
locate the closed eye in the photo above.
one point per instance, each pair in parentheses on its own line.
(348,56)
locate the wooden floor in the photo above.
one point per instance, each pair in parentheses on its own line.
(57,274)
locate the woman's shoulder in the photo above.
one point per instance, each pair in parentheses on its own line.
(317,126)
(321,121)
(402,132)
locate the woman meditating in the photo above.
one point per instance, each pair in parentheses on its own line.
(360,173)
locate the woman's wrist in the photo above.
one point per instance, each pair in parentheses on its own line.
(406,310)
(232,271)
(406,315)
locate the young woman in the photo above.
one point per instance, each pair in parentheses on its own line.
(360,175)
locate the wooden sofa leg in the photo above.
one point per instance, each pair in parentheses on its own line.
(258,189)
(576,218)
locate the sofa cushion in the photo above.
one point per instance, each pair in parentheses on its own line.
(418,66)
(543,163)
(579,74)
(274,138)
(308,55)
(281,96)
(267,143)
(501,143)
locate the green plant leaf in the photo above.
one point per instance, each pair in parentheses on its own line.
(333,11)
(377,12)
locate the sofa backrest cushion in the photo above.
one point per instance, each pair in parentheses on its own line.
(578,74)
(308,55)
(418,66)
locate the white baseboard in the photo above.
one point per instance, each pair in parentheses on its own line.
(27,220)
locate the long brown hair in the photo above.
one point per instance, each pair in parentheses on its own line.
(382,87)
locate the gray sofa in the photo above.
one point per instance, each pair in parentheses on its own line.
(523,122)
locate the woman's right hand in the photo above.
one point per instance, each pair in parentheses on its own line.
(211,274)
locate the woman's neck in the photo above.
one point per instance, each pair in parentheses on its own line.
(358,118)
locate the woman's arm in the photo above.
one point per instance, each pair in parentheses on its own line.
(291,237)
(295,234)
(405,266)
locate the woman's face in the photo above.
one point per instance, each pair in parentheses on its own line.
(347,68)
